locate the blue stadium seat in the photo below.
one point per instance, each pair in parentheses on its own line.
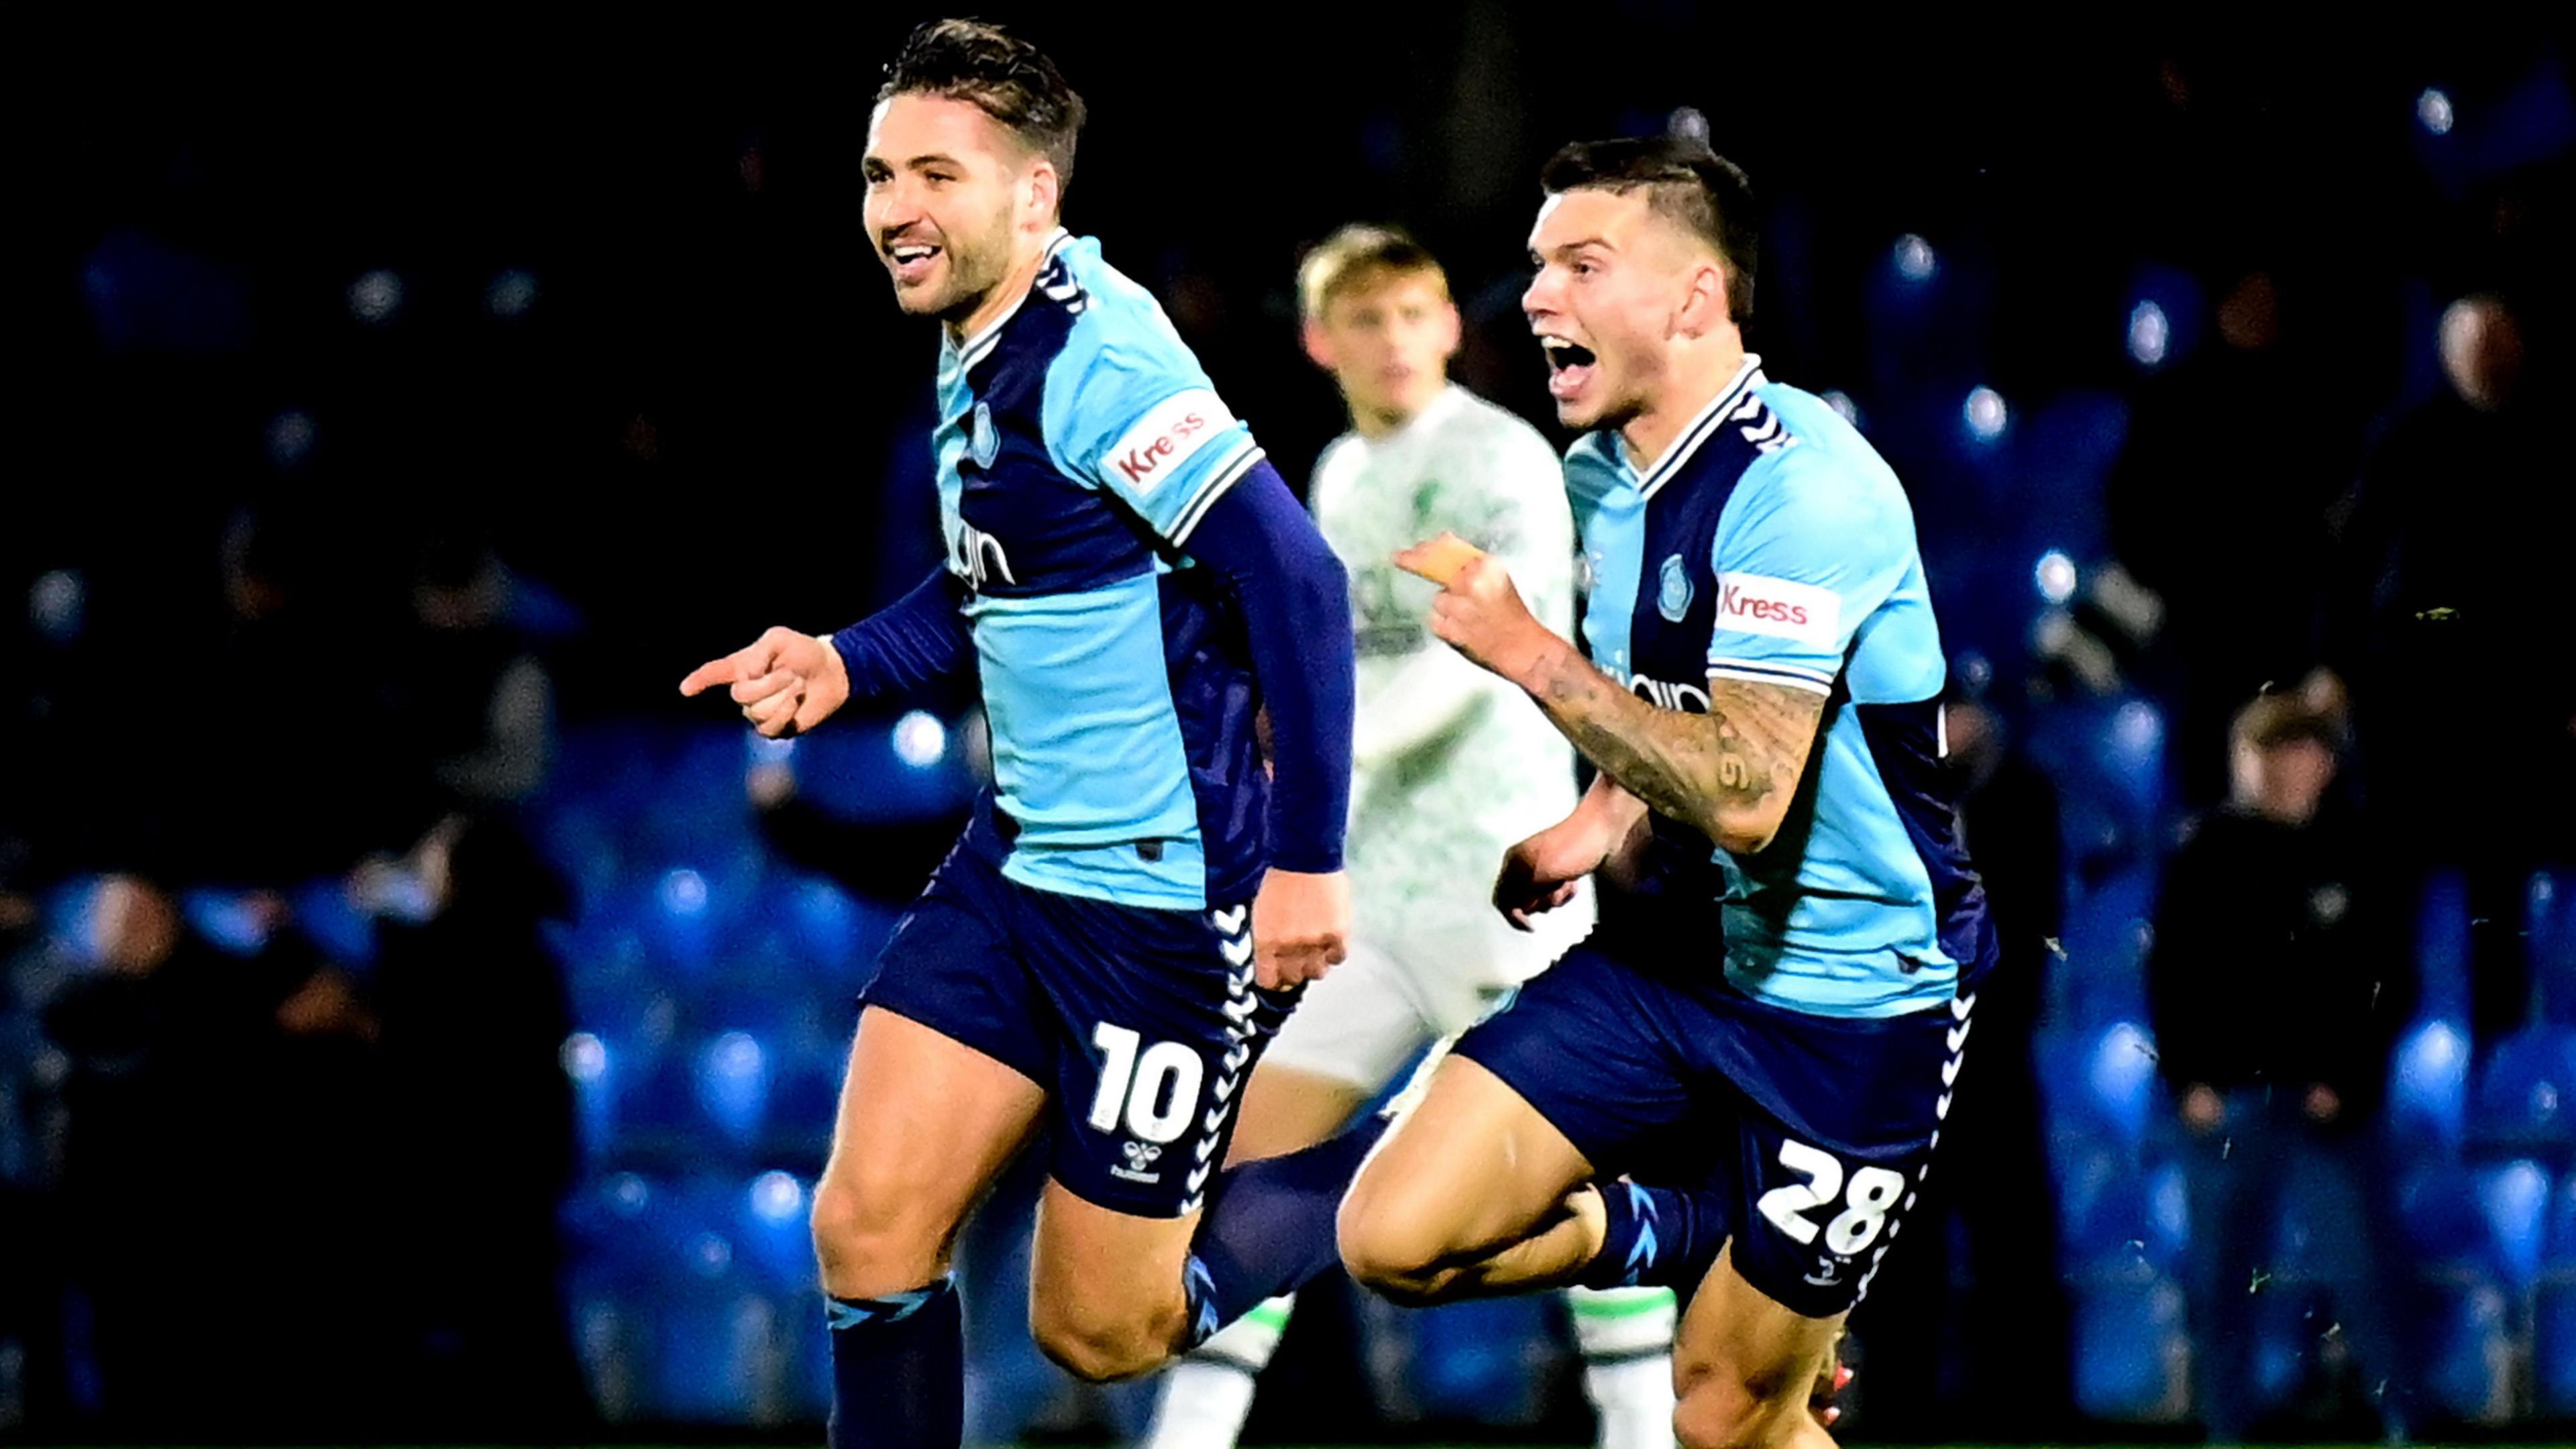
(2120,1076)
(657,1122)
(2104,1209)
(2442,946)
(2129,1353)
(671,1326)
(2549,926)
(2467,1336)
(732,1074)
(771,1220)
(592,1067)
(1479,1361)
(2445,1222)
(2104,973)
(697,911)
(804,1099)
(2553,1348)
(2428,1086)
(2526,1097)
(2287,1328)
(714,1358)
(613,1229)
(2168,1216)
(2513,1197)
(2561,1246)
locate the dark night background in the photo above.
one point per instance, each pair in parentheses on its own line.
(323,323)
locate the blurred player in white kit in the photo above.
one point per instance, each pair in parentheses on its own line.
(1450,768)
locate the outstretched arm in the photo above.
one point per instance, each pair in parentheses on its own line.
(788,682)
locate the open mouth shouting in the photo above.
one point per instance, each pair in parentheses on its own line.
(1569,366)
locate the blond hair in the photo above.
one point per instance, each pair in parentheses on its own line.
(1358,257)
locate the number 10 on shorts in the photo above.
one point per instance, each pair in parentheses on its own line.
(1157,1088)
(1874,1190)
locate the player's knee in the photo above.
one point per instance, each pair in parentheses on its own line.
(1739,1411)
(1103,1346)
(1388,1253)
(869,1243)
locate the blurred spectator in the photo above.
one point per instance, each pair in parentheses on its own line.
(223,1148)
(267,789)
(2218,507)
(2277,985)
(1964,1327)
(2448,618)
(468,693)
(475,1016)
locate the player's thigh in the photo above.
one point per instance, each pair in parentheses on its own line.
(1349,1036)
(1745,1366)
(944,1083)
(1470,1168)
(1105,1287)
(925,1122)
(1573,1077)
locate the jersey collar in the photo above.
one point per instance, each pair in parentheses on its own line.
(980,346)
(1737,392)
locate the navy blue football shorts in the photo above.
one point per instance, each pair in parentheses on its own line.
(1815,1132)
(1142,1024)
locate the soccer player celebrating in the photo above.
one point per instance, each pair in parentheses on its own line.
(1132,582)
(1450,767)
(1764,684)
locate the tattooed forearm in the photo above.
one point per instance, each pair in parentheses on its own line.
(1729,772)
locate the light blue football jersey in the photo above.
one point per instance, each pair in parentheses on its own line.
(1078,446)
(1772,544)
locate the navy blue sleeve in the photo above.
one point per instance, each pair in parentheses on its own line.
(1296,603)
(911,641)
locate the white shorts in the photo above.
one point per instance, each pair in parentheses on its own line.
(1394,995)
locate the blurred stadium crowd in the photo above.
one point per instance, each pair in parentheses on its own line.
(413,1025)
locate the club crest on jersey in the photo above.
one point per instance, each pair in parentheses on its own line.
(983,444)
(1673,589)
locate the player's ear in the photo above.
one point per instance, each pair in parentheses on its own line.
(1045,189)
(1704,304)
(1451,330)
(1318,343)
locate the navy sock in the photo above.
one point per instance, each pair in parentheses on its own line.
(1658,1237)
(898,1370)
(1268,1228)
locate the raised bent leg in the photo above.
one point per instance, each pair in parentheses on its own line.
(1473,1192)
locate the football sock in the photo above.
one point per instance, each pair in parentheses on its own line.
(1657,1237)
(1207,1396)
(898,1370)
(1626,1337)
(1268,1228)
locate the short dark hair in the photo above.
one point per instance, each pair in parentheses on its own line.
(1684,181)
(1002,75)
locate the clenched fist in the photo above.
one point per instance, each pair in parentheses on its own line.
(1301,927)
